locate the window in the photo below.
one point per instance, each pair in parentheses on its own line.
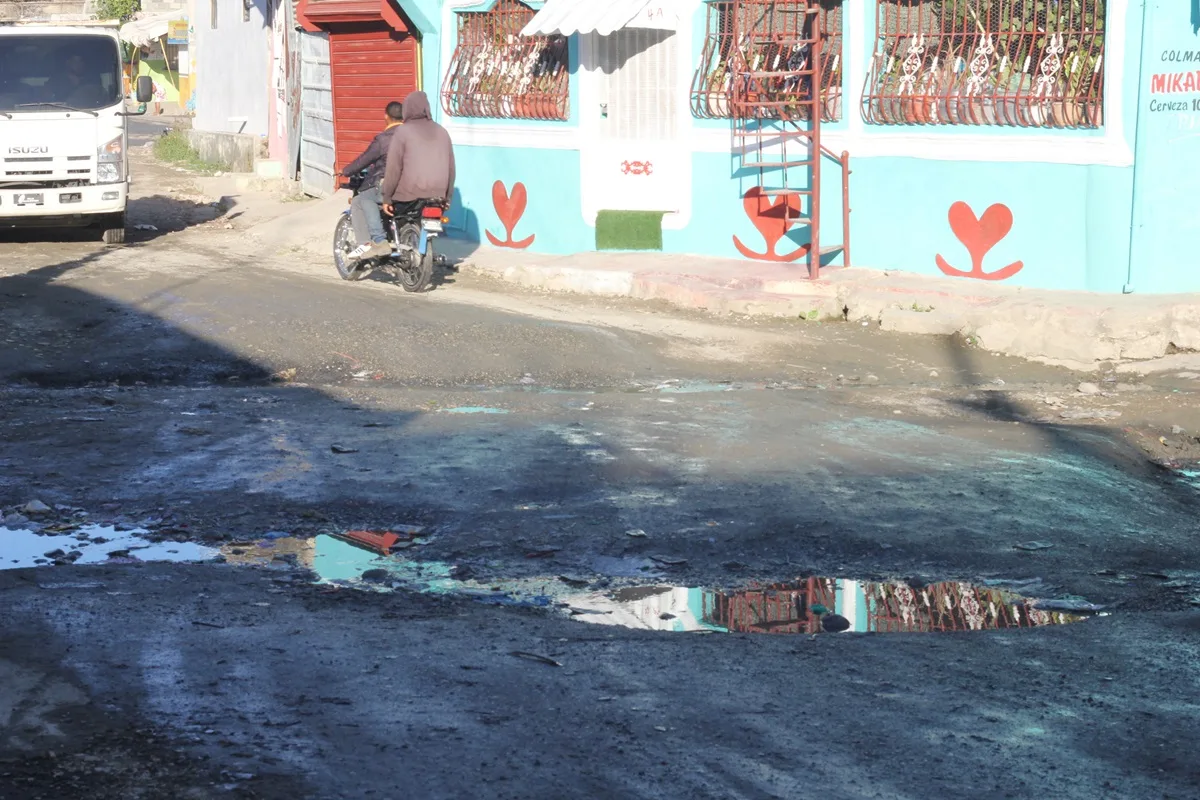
(82,70)
(713,81)
(212,14)
(495,72)
(1025,63)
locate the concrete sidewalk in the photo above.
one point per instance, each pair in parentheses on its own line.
(1074,329)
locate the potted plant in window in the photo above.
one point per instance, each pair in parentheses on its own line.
(1076,108)
(942,87)
(717,91)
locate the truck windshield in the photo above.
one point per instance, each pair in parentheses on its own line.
(78,71)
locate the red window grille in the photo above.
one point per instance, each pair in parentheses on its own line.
(713,80)
(498,73)
(1024,63)
(777,608)
(896,607)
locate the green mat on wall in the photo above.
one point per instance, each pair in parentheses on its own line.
(629,230)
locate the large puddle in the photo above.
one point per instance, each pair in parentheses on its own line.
(803,606)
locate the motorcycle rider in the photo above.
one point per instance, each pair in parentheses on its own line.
(364,208)
(420,160)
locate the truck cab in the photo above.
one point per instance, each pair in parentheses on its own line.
(63,137)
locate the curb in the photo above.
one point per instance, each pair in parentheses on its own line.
(1076,330)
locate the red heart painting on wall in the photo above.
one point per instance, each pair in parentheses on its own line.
(980,235)
(509,208)
(772,219)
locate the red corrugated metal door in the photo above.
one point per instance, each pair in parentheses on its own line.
(372,65)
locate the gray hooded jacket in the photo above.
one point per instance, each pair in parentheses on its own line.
(420,159)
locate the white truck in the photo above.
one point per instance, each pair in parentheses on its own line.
(63,137)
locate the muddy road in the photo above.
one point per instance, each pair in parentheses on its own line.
(202,388)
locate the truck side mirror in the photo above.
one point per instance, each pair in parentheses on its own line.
(145,89)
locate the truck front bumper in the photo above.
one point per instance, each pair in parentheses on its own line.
(74,205)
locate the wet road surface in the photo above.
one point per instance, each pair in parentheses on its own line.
(207,392)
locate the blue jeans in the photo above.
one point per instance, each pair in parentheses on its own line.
(364,213)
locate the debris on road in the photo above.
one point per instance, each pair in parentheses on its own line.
(1034,545)
(1097,414)
(535,657)
(1076,604)
(341,451)
(636,533)
(377,575)
(668,561)
(34,507)
(543,552)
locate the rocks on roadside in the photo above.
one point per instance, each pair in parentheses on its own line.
(1088,388)
(1098,414)
(35,507)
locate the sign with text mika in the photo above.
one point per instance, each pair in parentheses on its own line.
(1166,153)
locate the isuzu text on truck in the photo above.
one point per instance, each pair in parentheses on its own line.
(63,139)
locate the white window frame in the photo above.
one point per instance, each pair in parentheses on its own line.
(1108,147)
(476,132)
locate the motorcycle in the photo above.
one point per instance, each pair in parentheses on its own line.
(411,233)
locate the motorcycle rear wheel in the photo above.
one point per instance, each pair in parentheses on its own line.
(343,242)
(415,271)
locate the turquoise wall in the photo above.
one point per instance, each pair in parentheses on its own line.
(1071,223)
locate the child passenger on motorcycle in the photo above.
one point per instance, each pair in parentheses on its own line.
(364,208)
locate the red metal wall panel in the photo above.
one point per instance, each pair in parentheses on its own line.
(372,65)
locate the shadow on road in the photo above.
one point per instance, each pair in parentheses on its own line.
(216,444)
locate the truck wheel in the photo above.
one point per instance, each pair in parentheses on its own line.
(114,229)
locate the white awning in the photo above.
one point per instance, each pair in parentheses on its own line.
(602,16)
(148,29)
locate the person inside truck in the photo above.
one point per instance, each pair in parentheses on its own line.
(76,84)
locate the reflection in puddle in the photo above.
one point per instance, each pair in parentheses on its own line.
(805,606)
(91,544)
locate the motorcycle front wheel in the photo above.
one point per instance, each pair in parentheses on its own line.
(343,242)
(415,270)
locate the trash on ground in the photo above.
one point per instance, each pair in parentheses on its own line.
(1100,414)
(1034,545)
(35,507)
(474,410)
(543,552)
(1076,604)
(341,451)
(636,533)
(668,561)
(535,657)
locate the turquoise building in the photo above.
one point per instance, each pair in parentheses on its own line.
(1044,143)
